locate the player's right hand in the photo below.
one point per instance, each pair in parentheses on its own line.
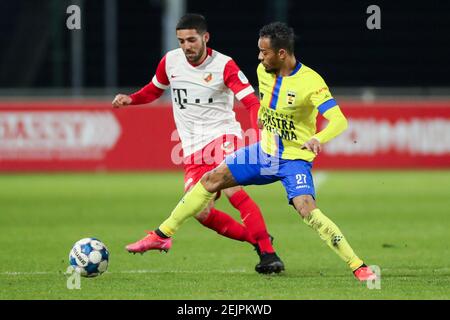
(313,145)
(121,100)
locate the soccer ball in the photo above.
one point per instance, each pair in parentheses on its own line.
(89,257)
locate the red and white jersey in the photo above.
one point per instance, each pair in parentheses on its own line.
(202,96)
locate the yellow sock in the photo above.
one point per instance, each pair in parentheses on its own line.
(334,238)
(192,203)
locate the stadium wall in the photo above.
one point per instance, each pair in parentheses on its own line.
(91,136)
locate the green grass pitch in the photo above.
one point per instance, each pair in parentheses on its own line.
(399,221)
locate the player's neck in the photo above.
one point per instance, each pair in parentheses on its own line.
(288,67)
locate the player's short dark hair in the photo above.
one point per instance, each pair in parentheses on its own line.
(193,21)
(280,35)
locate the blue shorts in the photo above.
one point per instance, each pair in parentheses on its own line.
(251,165)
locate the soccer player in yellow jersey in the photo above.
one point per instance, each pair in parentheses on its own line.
(291,96)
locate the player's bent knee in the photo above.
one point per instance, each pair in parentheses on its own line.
(212,181)
(304,212)
(208,182)
(304,205)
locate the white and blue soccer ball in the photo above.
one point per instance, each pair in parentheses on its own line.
(89,257)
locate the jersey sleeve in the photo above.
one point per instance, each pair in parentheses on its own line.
(155,88)
(337,123)
(322,99)
(235,79)
(320,96)
(160,79)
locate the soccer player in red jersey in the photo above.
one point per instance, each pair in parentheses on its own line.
(203,85)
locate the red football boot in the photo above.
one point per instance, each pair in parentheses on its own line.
(364,273)
(150,242)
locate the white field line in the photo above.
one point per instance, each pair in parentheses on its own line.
(14,273)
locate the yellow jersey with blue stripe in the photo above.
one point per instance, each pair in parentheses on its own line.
(289,107)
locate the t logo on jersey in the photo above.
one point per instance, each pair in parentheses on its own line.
(178,99)
(290,97)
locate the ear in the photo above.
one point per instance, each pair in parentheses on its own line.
(206,37)
(282,53)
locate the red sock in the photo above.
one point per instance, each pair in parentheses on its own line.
(225,225)
(253,219)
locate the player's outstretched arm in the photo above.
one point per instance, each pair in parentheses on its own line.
(152,91)
(337,123)
(121,100)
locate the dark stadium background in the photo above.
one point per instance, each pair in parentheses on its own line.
(411,50)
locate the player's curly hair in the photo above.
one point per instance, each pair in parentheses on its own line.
(192,21)
(281,36)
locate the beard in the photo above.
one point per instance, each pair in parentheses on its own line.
(270,70)
(196,58)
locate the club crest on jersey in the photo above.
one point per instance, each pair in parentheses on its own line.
(207,77)
(290,97)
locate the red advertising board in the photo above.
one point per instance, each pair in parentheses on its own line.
(90,135)
(392,134)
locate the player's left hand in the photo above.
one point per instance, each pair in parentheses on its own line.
(313,145)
